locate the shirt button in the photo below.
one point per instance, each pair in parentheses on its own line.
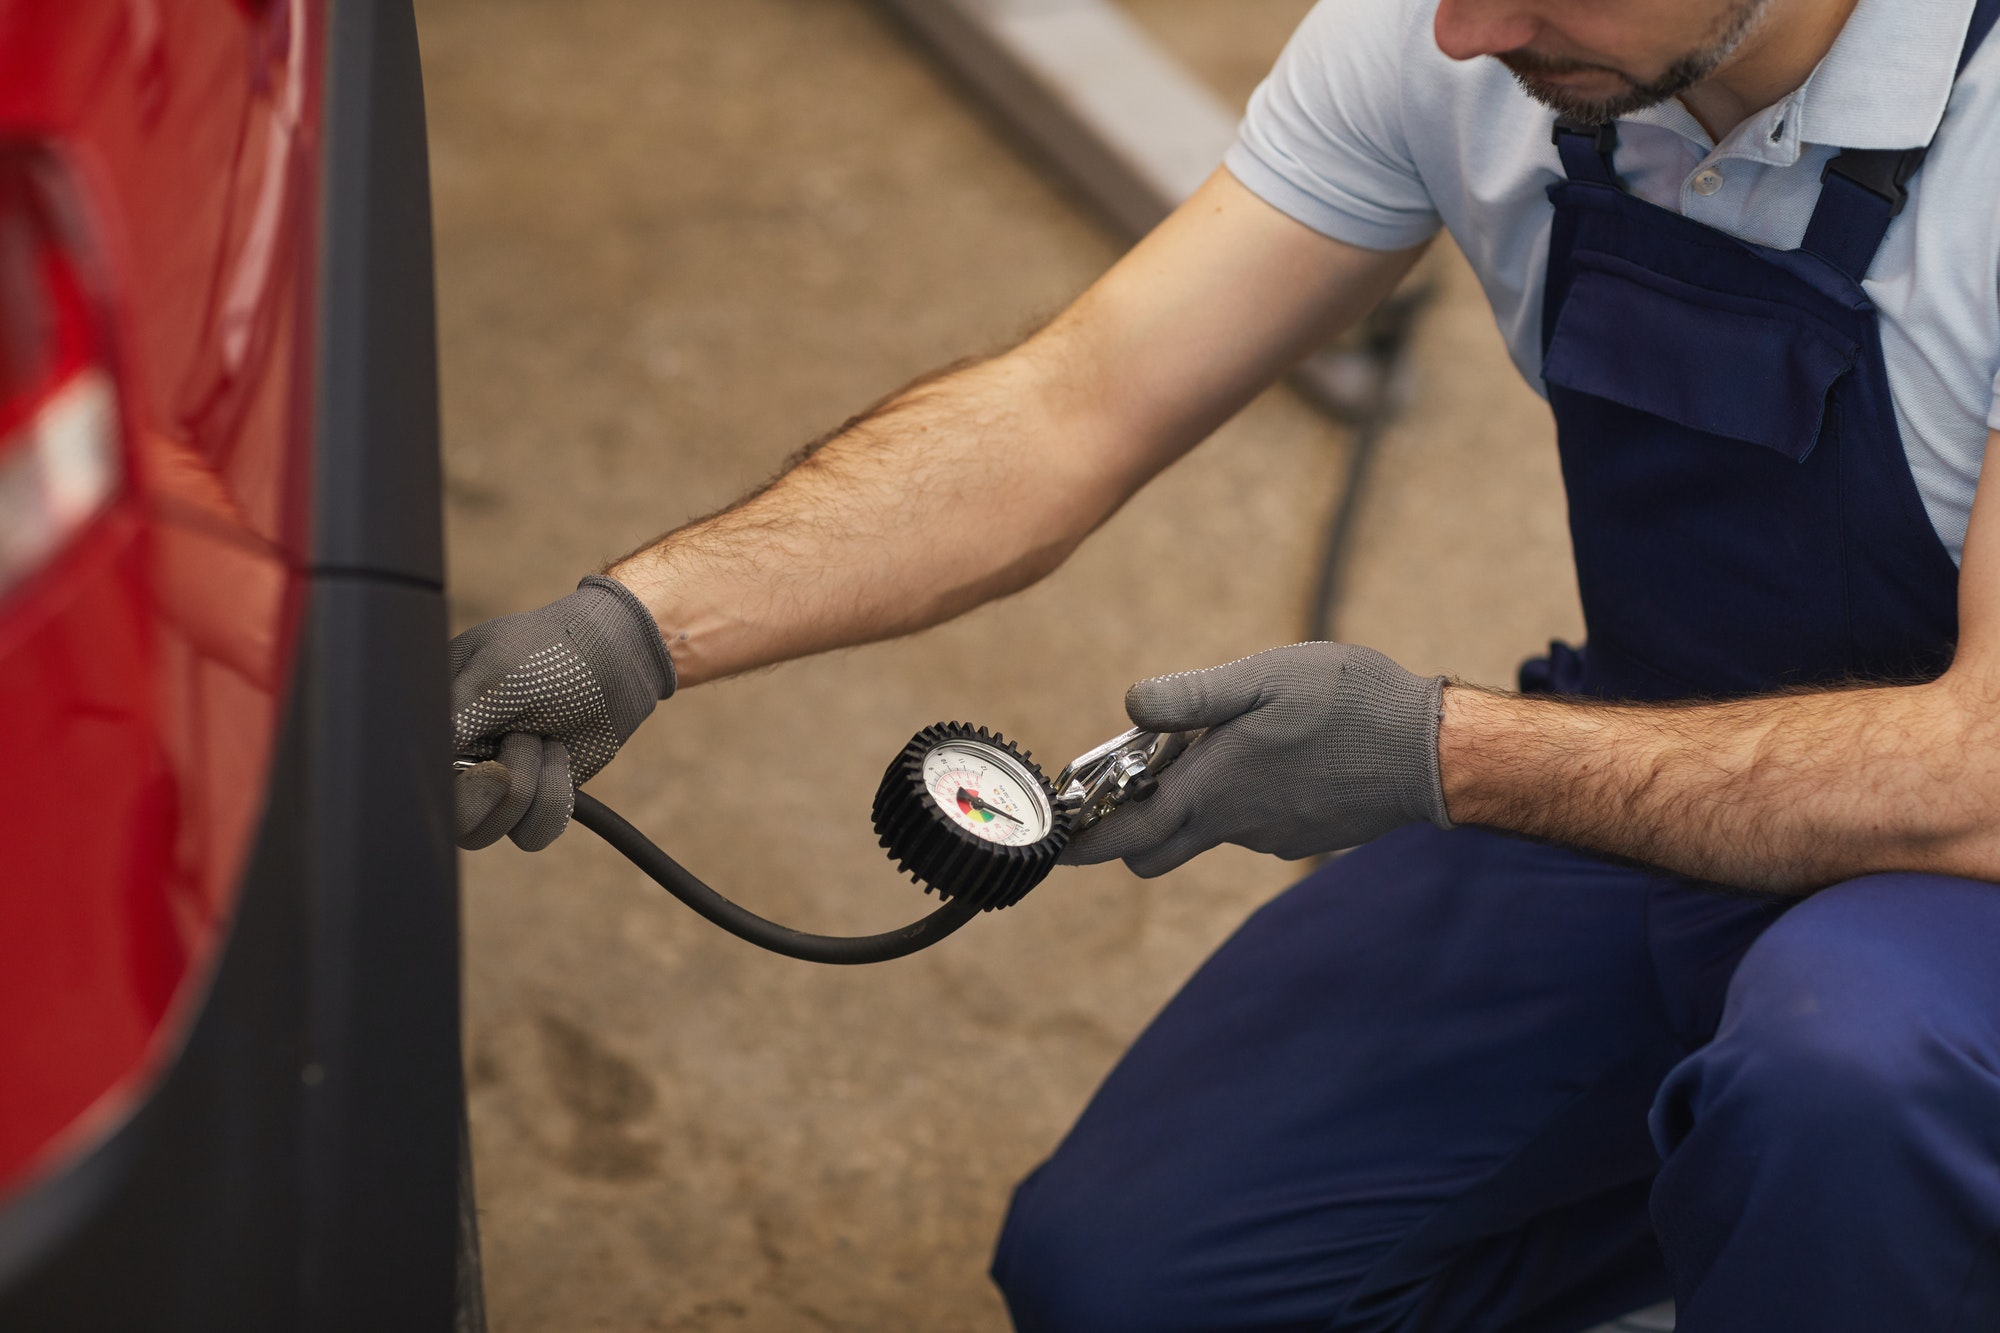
(1707,181)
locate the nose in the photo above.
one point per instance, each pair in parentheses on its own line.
(1469,28)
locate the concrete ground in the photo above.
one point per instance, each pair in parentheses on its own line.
(676,238)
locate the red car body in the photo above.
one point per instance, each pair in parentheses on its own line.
(228,1015)
(143,661)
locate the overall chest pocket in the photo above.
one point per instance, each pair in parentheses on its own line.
(1722,365)
(1701,440)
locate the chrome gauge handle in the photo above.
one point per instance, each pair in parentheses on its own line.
(1124,768)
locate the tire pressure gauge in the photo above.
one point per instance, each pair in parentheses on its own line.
(968,814)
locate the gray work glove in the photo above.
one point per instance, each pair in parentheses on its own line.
(547,697)
(1310,748)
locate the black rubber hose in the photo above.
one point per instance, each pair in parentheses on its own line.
(1384,339)
(745,924)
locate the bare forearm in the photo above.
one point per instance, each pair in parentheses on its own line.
(956,491)
(1785,793)
(973,485)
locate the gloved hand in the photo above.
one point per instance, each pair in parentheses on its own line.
(547,697)
(1310,748)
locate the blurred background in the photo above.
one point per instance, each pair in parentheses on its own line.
(676,239)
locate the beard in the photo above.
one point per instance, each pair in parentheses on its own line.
(1533,71)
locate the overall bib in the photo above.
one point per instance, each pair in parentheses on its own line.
(1458,1082)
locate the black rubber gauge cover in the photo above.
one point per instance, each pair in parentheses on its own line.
(937,851)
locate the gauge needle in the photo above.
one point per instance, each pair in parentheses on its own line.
(967,798)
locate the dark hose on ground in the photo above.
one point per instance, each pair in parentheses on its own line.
(745,924)
(1382,344)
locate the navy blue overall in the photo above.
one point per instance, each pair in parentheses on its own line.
(1455,1081)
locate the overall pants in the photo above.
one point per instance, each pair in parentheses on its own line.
(1455,1081)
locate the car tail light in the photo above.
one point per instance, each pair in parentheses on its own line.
(60,461)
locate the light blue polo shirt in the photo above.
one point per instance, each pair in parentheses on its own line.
(1366,132)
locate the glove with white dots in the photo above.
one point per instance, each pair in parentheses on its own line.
(546,698)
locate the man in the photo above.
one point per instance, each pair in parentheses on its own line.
(1458,1080)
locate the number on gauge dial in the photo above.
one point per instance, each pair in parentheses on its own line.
(985,792)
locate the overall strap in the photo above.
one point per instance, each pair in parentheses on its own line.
(1863,188)
(1586,149)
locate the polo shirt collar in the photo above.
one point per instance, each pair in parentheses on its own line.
(1883,84)
(1886,80)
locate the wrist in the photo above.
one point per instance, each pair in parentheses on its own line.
(657,663)
(1471,723)
(705,643)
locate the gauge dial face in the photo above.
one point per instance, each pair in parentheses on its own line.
(987,793)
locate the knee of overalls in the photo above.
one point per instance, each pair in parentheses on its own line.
(1861,1030)
(1065,1266)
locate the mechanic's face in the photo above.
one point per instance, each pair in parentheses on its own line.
(1598,60)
